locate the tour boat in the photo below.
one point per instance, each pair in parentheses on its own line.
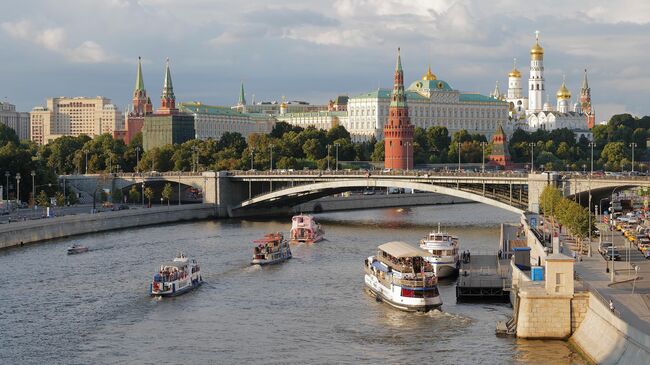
(305,229)
(75,249)
(400,276)
(271,249)
(176,277)
(444,253)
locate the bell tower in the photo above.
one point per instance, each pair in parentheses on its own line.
(585,102)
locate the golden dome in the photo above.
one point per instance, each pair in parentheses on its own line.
(514,73)
(537,52)
(563,92)
(429,75)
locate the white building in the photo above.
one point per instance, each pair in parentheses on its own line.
(529,109)
(17,121)
(65,116)
(431,102)
(213,121)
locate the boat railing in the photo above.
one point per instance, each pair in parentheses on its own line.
(416,282)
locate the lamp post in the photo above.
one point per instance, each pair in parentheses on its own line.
(459,144)
(329,147)
(584,168)
(137,158)
(407,155)
(86,152)
(271,164)
(7,174)
(532,157)
(337,156)
(18,187)
(483,145)
(567,167)
(179,187)
(633,144)
(33,187)
(252,157)
(195,159)
(592,145)
(143,193)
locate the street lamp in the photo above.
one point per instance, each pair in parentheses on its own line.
(633,144)
(18,187)
(7,174)
(33,186)
(584,168)
(483,145)
(532,157)
(459,144)
(567,167)
(337,156)
(407,154)
(329,147)
(137,158)
(592,145)
(143,193)
(179,187)
(195,159)
(271,164)
(86,152)
(252,157)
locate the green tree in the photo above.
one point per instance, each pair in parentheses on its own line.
(134,194)
(59,198)
(612,155)
(72,198)
(42,199)
(167,192)
(117,195)
(148,193)
(379,152)
(8,135)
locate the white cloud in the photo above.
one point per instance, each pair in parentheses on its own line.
(54,39)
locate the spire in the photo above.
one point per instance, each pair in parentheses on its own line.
(398,67)
(242,97)
(139,83)
(585,84)
(496,94)
(168,88)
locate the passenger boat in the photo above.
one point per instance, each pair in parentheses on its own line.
(75,249)
(400,276)
(305,229)
(176,277)
(443,248)
(271,249)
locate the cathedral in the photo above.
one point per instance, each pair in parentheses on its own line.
(528,111)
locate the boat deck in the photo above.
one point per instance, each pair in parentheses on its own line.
(483,278)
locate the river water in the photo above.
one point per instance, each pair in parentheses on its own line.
(93,308)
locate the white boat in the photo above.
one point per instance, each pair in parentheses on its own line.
(75,249)
(305,229)
(400,276)
(271,249)
(443,248)
(176,277)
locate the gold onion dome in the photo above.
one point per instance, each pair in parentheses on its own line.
(563,92)
(537,52)
(429,75)
(514,73)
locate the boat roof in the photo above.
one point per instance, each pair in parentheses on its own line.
(399,249)
(175,263)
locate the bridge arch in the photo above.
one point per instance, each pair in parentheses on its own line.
(300,194)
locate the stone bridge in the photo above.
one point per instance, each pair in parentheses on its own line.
(247,193)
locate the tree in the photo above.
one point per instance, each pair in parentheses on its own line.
(72,198)
(313,149)
(117,195)
(167,192)
(379,153)
(134,194)
(59,198)
(612,155)
(42,199)
(8,135)
(148,193)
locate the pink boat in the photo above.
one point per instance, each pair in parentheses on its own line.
(305,229)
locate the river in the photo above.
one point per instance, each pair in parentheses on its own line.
(93,308)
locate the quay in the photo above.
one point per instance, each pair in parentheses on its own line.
(483,278)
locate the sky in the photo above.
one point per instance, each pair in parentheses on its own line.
(314,50)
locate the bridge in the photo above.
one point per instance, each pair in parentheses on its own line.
(247,193)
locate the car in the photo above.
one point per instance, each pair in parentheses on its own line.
(612,252)
(604,246)
(368,192)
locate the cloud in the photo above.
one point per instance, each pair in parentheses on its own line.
(54,39)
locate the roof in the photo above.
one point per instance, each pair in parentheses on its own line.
(399,249)
(386,94)
(177,264)
(198,108)
(430,85)
(478,98)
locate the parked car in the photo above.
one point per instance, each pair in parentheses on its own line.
(612,252)
(603,247)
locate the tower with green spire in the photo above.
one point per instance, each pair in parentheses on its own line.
(140,107)
(241,103)
(398,132)
(167,99)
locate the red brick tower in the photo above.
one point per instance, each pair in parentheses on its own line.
(167,99)
(585,103)
(500,155)
(398,132)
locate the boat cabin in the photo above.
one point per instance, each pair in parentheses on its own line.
(403,257)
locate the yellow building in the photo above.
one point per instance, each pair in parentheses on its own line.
(73,117)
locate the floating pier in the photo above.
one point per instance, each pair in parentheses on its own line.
(483,278)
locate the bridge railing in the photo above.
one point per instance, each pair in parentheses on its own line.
(371,173)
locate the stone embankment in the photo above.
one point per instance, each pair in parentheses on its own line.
(17,233)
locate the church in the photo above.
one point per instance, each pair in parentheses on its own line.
(529,113)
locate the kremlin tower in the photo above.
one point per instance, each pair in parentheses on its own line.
(536,80)
(585,103)
(141,106)
(167,99)
(398,132)
(500,155)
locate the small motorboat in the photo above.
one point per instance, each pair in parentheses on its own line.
(271,249)
(75,249)
(176,277)
(305,229)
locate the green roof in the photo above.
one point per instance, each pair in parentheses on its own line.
(468,97)
(314,114)
(198,108)
(430,85)
(386,94)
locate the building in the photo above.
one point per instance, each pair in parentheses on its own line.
(530,113)
(339,104)
(500,155)
(320,119)
(431,102)
(167,125)
(140,107)
(398,132)
(17,121)
(65,116)
(213,121)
